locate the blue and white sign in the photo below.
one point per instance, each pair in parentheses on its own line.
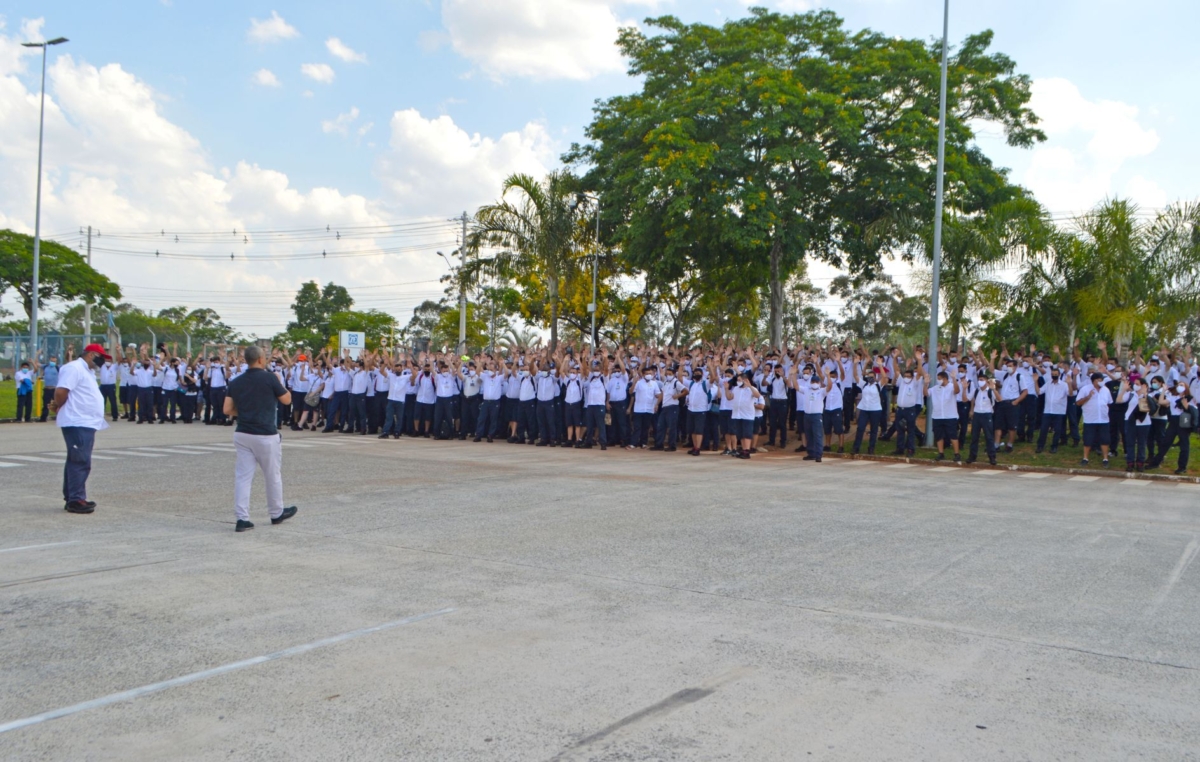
(354,341)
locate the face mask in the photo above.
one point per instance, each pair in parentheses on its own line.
(953,360)
(908,379)
(1179,389)
(1109,367)
(741,382)
(544,373)
(945,381)
(814,386)
(99,361)
(697,377)
(1154,386)
(1054,378)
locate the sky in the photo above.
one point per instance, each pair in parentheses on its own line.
(219,122)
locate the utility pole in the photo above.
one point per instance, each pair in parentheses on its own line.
(595,268)
(462,289)
(87,306)
(931,350)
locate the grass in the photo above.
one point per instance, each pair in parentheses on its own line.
(8,400)
(1066,457)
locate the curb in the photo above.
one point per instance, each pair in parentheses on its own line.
(1112,473)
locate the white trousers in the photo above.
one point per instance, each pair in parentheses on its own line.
(266,453)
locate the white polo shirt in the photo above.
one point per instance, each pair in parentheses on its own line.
(943,402)
(645,395)
(1055,395)
(85,405)
(1095,408)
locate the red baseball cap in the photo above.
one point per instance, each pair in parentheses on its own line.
(98,350)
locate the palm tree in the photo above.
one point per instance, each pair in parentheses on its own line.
(976,249)
(1140,274)
(518,338)
(536,231)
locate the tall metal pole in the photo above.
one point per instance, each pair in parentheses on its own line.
(37,217)
(462,289)
(931,350)
(87,306)
(595,266)
(37,214)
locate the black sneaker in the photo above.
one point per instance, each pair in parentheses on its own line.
(1104,463)
(242,526)
(941,456)
(1180,471)
(382,436)
(957,458)
(288,512)
(79,506)
(1083,462)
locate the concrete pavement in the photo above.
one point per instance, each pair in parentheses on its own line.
(606,606)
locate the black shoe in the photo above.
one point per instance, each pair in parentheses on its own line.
(382,436)
(79,506)
(395,436)
(478,439)
(957,458)
(941,456)
(288,512)
(801,448)
(603,447)
(809,457)
(657,448)
(539,444)
(1180,471)
(969,461)
(1054,451)
(296,428)
(992,461)
(489,440)
(841,449)
(818,460)
(1038,451)
(671,449)
(242,526)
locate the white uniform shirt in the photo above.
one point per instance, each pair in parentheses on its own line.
(108,373)
(470,383)
(618,386)
(944,403)
(446,384)
(983,398)
(908,393)
(359,380)
(814,399)
(742,403)
(1055,395)
(170,379)
(870,399)
(1095,408)
(398,385)
(547,386)
(85,405)
(671,387)
(699,398)
(143,377)
(645,395)
(491,385)
(573,389)
(595,390)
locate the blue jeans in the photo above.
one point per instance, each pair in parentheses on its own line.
(79,441)
(668,426)
(393,416)
(814,434)
(488,423)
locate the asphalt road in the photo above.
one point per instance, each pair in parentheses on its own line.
(453,601)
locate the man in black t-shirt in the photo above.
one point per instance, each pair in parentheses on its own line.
(253,397)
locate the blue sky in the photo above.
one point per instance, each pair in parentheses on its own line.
(158,116)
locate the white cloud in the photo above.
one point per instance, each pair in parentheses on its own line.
(434,167)
(113,160)
(318,72)
(365,128)
(1088,144)
(266,78)
(1145,192)
(339,49)
(31,30)
(340,124)
(564,39)
(273,29)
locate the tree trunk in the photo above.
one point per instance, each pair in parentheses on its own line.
(1071,341)
(553,312)
(776,294)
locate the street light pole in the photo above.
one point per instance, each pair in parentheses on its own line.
(462,290)
(595,266)
(37,214)
(931,349)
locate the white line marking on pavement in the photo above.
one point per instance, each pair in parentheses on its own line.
(31,547)
(981,472)
(846,462)
(295,444)
(34,459)
(1083,479)
(1032,475)
(175,682)
(902,465)
(216,448)
(1133,482)
(142,454)
(175,452)
(103,457)
(942,470)
(1189,554)
(10,465)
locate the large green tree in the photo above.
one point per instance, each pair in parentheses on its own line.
(775,137)
(62,273)
(314,308)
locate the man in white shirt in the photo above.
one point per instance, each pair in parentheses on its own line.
(143,377)
(80,414)
(471,401)
(1095,401)
(24,379)
(1012,389)
(617,385)
(1055,393)
(909,394)
(870,408)
(647,393)
(983,408)
(491,391)
(397,392)
(595,400)
(943,411)
(108,385)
